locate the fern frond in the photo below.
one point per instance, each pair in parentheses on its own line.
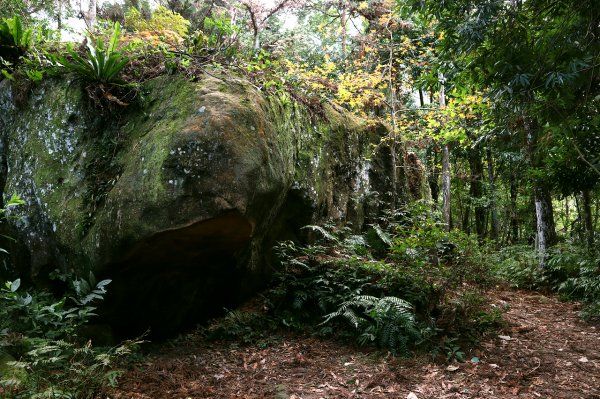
(327,235)
(383,236)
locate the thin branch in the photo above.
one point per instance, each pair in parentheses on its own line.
(582,157)
(276,9)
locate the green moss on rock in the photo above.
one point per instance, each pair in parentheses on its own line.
(104,191)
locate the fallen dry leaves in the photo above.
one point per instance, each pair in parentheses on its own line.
(546,352)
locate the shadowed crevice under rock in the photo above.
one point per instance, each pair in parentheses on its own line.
(178,277)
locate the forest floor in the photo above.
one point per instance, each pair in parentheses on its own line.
(545,351)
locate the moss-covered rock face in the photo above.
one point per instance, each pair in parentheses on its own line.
(180,199)
(10,372)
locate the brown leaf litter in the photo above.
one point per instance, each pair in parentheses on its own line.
(546,351)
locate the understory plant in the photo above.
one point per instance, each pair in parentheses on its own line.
(43,353)
(574,272)
(571,270)
(518,265)
(15,40)
(42,336)
(401,284)
(13,34)
(388,321)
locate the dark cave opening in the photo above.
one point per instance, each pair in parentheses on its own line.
(178,278)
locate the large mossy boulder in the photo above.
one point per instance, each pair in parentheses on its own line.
(179,198)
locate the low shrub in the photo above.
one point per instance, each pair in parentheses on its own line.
(388,321)
(518,265)
(398,287)
(572,271)
(161,20)
(575,273)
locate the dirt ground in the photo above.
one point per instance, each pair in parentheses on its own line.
(546,351)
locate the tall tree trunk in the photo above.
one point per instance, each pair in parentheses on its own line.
(434,175)
(343,23)
(445,165)
(514,217)
(463,208)
(577,225)
(90,16)
(544,215)
(59,21)
(476,191)
(587,218)
(464,211)
(495,232)
(256,42)
(396,163)
(567,212)
(446,187)
(596,214)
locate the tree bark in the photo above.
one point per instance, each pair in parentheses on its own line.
(495,232)
(59,23)
(90,16)
(433,176)
(393,134)
(596,214)
(577,225)
(587,218)
(343,22)
(476,191)
(256,41)
(446,187)
(464,208)
(567,212)
(445,165)
(514,217)
(544,215)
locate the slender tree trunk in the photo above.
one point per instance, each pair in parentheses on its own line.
(90,16)
(343,22)
(587,218)
(433,177)
(256,45)
(596,214)
(566,223)
(476,191)
(514,217)
(59,24)
(393,134)
(465,211)
(495,232)
(446,187)
(445,165)
(576,226)
(544,215)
